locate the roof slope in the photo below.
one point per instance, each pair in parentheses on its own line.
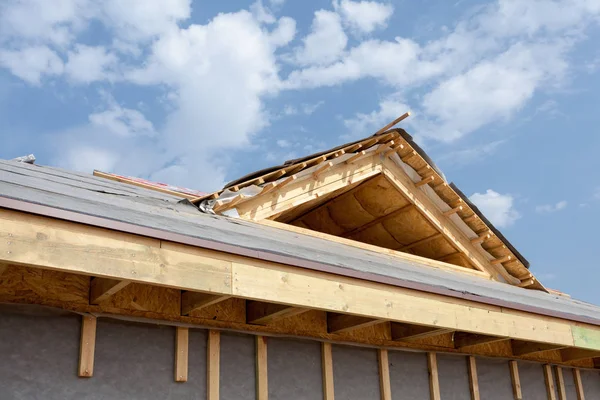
(114,201)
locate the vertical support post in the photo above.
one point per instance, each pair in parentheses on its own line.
(434,381)
(262,388)
(327,366)
(384,375)
(181,354)
(578,384)
(473,380)
(87,346)
(560,384)
(551,392)
(516,381)
(213,362)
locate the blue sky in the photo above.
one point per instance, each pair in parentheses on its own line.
(504,97)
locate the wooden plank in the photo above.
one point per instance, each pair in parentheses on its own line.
(473,380)
(516,380)
(3,268)
(574,354)
(434,381)
(521,348)
(213,365)
(261,313)
(262,384)
(464,339)
(549,380)
(181,353)
(578,384)
(560,383)
(87,346)
(586,337)
(408,332)
(133,182)
(102,288)
(191,301)
(327,368)
(338,323)
(385,388)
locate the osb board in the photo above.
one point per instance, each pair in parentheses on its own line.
(138,296)
(232,310)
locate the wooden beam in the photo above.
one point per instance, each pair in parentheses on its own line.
(3,268)
(521,348)
(213,365)
(261,313)
(355,157)
(378,220)
(516,381)
(192,301)
(181,353)
(481,238)
(407,332)
(425,181)
(549,380)
(560,383)
(327,369)
(501,260)
(394,122)
(322,169)
(385,388)
(574,354)
(420,242)
(103,288)
(338,323)
(262,382)
(87,346)
(473,380)
(578,384)
(464,339)
(452,211)
(434,381)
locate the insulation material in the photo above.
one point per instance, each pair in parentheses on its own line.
(238,367)
(494,379)
(532,381)
(355,373)
(409,376)
(570,388)
(294,369)
(453,377)
(591,384)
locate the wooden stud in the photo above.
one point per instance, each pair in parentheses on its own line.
(338,323)
(408,156)
(327,368)
(501,260)
(464,339)
(420,242)
(213,365)
(354,148)
(385,387)
(191,301)
(260,313)
(394,122)
(262,383)
(578,384)
(470,218)
(516,381)
(426,170)
(574,354)
(434,382)
(87,346)
(453,211)
(181,353)
(481,239)
(560,383)
(102,288)
(407,332)
(286,181)
(384,147)
(221,205)
(473,380)
(268,187)
(355,157)
(425,181)
(521,348)
(549,380)
(322,169)
(394,150)
(526,283)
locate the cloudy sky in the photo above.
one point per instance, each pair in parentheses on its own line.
(504,95)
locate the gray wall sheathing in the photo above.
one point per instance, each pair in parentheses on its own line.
(533,383)
(494,379)
(294,369)
(570,389)
(409,377)
(238,367)
(355,373)
(591,384)
(453,377)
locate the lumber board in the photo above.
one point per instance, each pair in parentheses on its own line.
(339,323)
(586,337)
(408,332)
(464,339)
(262,382)
(520,348)
(578,384)
(560,383)
(143,185)
(327,368)
(181,353)
(473,380)
(574,354)
(103,288)
(3,268)
(549,381)
(515,379)
(261,313)
(193,301)
(385,387)
(213,364)
(434,380)
(87,346)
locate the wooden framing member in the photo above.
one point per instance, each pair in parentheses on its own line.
(521,348)
(473,380)
(182,335)
(385,388)
(103,288)
(322,169)
(422,241)
(574,354)
(378,220)
(453,211)
(578,384)
(465,339)
(327,368)
(560,383)
(425,181)
(355,157)
(481,238)
(434,380)
(134,182)
(516,381)
(549,380)
(213,365)
(338,323)
(260,313)
(407,332)
(408,156)
(191,301)
(501,260)
(262,381)
(3,267)
(87,346)
(384,147)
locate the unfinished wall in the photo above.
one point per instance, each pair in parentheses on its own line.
(409,377)
(533,383)
(237,365)
(453,377)
(591,384)
(352,365)
(494,379)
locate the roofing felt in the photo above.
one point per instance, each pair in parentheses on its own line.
(86,195)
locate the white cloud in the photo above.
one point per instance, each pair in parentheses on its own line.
(364,16)
(122,121)
(88,158)
(326,41)
(32,63)
(283,143)
(551,208)
(471,155)
(498,208)
(87,64)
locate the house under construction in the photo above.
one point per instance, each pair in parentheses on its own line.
(356,273)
